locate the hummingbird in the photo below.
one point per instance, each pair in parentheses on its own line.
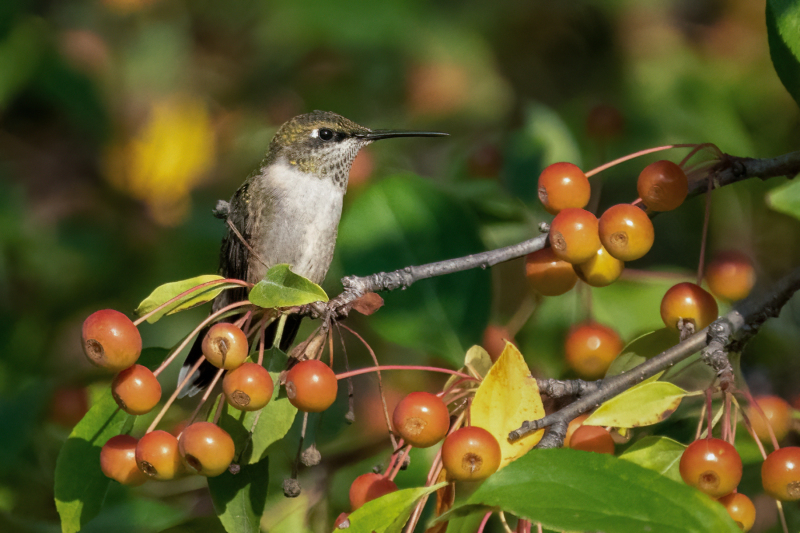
(288,211)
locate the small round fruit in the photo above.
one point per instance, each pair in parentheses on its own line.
(368,487)
(711,465)
(547,274)
(311,386)
(110,340)
(780,474)
(731,275)
(470,454)
(206,448)
(574,424)
(422,419)
(573,235)
(590,348)
(68,405)
(662,186)
(626,232)
(741,510)
(494,340)
(225,346)
(563,185)
(249,387)
(157,455)
(601,270)
(136,390)
(778,413)
(689,302)
(118,461)
(592,439)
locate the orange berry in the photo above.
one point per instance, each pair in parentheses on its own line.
(206,448)
(689,302)
(574,424)
(470,454)
(311,386)
(249,387)
(118,461)
(136,390)
(711,465)
(731,275)
(563,185)
(368,487)
(601,270)
(110,340)
(590,349)
(626,232)
(157,455)
(662,186)
(592,439)
(573,235)
(780,474)
(778,413)
(422,419)
(225,346)
(547,274)
(741,510)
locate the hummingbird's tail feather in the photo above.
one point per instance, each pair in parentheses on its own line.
(204,375)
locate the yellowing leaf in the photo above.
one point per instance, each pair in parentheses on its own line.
(643,405)
(477,359)
(507,397)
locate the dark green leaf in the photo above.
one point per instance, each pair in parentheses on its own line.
(402,221)
(783,35)
(581,491)
(389,513)
(239,499)
(205,524)
(661,454)
(283,288)
(168,291)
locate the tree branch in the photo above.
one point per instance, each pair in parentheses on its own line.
(732,169)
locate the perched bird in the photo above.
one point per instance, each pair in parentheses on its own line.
(288,211)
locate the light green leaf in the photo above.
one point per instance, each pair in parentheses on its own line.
(283,288)
(643,405)
(239,499)
(783,35)
(786,199)
(661,454)
(567,489)
(166,292)
(389,513)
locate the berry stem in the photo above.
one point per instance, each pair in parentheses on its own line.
(635,155)
(751,430)
(503,521)
(210,318)
(360,371)
(261,342)
(709,408)
(700,422)
(172,398)
(717,152)
(483,522)
(174,299)
(206,395)
(399,463)
(752,401)
(706,218)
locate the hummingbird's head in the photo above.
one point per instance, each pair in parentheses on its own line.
(325,144)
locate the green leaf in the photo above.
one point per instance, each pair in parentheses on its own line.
(166,292)
(786,199)
(783,35)
(582,491)
(80,485)
(661,454)
(641,349)
(283,288)
(405,220)
(389,513)
(643,405)
(275,421)
(239,499)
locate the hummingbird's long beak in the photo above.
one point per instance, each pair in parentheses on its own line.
(376,135)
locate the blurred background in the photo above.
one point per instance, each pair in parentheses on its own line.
(123,121)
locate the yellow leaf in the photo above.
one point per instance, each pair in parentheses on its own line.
(507,397)
(477,359)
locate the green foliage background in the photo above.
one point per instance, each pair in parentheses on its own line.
(82,227)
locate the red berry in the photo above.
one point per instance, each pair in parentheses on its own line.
(471,454)
(118,460)
(778,413)
(711,465)
(547,274)
(311,386)
(68,405)
(592,439)
(157,455)
(574,424)
(731,275)
(662,186)
(590,349)
(741,510)
(110,340)
(249,387)
(563,185)
(601,270)
(626,232)
(136,390)
(573,236)
(368,487)
(225,346)
(689,302)
(422,419)
(206,448)
(780,474)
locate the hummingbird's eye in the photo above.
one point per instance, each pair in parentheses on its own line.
(325,134)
